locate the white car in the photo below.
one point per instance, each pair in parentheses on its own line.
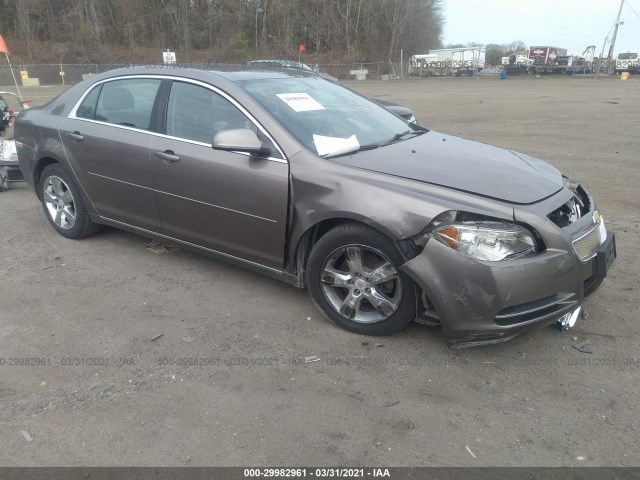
(9,169)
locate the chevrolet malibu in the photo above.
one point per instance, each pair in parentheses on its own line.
(299,178)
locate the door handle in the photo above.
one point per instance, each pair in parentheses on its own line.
(168,156)
(75,136)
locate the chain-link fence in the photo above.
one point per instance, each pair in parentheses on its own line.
(48,74)
(56,74)
(374,70)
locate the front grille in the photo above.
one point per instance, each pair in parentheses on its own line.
(587,245)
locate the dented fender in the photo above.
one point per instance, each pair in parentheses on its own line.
(400,208)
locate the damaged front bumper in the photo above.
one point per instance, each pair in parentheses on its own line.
(478,302)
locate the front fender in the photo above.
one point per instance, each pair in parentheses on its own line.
(397,207)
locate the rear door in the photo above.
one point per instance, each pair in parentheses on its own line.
(106,140)
(229,202)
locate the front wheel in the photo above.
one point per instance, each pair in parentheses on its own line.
(354,278)
(64,204)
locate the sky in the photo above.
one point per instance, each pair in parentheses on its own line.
(570,24)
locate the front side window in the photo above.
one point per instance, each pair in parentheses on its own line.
(127,102)
(197,113)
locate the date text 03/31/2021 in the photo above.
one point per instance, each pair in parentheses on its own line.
(316,472)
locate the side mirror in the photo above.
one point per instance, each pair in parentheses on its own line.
(240,140)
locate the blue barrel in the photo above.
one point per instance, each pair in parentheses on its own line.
(503,75)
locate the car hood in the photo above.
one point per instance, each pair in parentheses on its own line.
(395,108)
(464,165)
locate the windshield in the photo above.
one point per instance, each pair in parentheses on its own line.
(327,118)
(627,56)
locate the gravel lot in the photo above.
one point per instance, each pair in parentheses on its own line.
(104,392)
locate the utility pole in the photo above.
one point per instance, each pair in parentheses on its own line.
(615,34)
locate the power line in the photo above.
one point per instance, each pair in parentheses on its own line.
(629,5)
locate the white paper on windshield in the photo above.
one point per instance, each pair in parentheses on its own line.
(300,102)
(335,145)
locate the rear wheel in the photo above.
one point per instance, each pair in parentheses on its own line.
(354,278)
(63,203)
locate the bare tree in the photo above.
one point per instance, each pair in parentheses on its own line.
(363,30)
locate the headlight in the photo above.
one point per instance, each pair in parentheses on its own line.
(488,241)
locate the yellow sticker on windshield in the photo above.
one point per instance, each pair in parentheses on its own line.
(300,102)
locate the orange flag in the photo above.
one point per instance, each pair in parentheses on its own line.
(3,45)
(302,49)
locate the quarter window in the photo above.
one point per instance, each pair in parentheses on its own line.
(87,108)
(127,102)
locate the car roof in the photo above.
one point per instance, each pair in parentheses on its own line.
(232,73)
(283,63)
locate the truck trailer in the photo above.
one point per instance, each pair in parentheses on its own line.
(448,61)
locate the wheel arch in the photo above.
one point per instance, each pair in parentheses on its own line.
(313,233)
(39,167)
(47,159)
(331,238)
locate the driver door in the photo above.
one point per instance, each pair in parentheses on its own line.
(230,202)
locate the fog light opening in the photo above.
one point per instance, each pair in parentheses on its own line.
(567,321)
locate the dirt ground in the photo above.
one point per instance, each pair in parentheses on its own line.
(104,388)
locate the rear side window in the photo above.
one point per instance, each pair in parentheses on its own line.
(127,102)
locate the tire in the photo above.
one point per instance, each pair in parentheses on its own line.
(63,203)
(346,275)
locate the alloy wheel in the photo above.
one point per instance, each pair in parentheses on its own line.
(59,202)
(361,284)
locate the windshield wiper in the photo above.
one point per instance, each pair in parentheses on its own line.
(362,148)
(399,136)
(373,146)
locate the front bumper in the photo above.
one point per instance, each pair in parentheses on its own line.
(492,302)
